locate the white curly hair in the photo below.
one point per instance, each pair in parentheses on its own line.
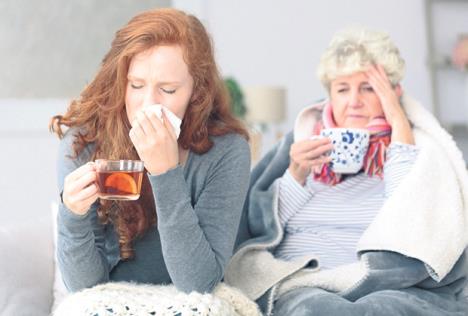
(354,50)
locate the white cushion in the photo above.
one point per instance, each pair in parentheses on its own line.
(26,268)
(59,289)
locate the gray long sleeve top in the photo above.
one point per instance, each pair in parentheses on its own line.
(198,207)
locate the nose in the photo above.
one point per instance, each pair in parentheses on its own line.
(151,97)
(355,99)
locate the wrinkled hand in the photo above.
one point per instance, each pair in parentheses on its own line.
(389,97)
(390,101)
(80,190)
(155,141)
(308,154)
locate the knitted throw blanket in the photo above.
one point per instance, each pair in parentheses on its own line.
(125,299)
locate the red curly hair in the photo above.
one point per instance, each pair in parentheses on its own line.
(100,113)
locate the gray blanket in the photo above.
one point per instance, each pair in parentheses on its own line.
(381,283)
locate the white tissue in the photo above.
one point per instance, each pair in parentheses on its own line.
(175,121)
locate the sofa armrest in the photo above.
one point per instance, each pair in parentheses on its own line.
(26,267)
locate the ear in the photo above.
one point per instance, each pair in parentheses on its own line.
(398,90)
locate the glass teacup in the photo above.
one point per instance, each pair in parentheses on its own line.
(119,179)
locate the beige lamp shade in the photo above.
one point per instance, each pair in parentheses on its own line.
(265,104)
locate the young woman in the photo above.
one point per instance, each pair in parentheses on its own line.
(182,229)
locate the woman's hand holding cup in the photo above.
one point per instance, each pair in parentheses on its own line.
(308,154)
(80,190)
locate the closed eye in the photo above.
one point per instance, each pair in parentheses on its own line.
(135,86)
(168,91)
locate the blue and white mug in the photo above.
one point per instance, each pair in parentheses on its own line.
(349,148)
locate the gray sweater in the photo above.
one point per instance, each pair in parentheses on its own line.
(198,207)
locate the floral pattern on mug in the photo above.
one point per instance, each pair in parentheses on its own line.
(350,148)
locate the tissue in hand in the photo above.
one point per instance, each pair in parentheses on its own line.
(175,121)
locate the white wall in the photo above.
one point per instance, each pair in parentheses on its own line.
(451,83)
(50,50)
(258,42)
(280,42)
(27,158)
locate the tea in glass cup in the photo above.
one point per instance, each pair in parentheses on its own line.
(119,179)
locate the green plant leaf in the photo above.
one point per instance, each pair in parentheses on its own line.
(238,107)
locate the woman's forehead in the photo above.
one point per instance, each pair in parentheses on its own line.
(357,77)
(163,62)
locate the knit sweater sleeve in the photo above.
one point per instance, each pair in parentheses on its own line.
(197,239)
(400,159)
(80,238)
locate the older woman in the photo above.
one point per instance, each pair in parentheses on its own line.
(387,240)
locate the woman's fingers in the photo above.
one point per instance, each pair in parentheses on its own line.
(144,122)
(155,141)
(82,182)
(311,149)
(382,74)
(148,124)
(320,160)
(159,125)
(308,154)
(81,176)
(168,124)
(378,73)
(309,145)
(307,160)
(79,179)
(378,79)
(79,172)
(77,201)
(376,84)
(316,160)
(80,189)
(388,95)
(320,150)
(90,200)
(81,206)
(89,192)
(136,133)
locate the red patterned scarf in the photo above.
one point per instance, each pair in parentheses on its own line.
(380,133)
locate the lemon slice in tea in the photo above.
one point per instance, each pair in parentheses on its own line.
(122,182)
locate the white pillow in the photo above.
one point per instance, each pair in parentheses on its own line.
(26,268)
(59,289)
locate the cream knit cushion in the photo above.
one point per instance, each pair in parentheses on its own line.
(125,299)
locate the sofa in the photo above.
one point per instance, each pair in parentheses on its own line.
(27,268)
(29,281)
(32,286)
